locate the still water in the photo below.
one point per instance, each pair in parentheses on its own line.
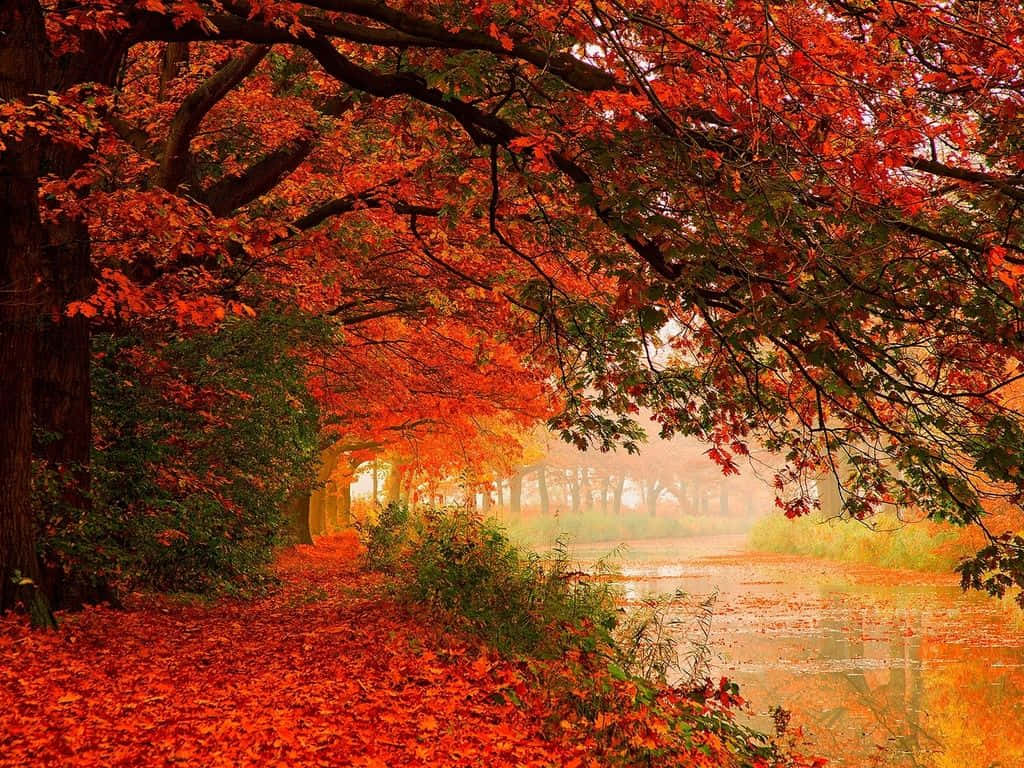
(879,668)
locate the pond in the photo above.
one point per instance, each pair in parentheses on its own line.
(878,668)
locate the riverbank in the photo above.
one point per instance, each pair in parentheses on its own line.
(329,670)
(884,541)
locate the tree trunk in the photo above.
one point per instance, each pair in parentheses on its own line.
(620,486)
(829,497)
(317,509)
(297,513)
(515,495)
(409,483)
(653,492)
(344,519)
(573,481)
(175,59)
(501,494)
(376,491)
(22,54)
(542,490)
(331,506)
(605,489)
(587,489)
(393,483)
(62,398)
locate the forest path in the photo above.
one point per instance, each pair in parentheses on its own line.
(327,671)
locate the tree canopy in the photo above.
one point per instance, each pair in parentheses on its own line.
(783,225)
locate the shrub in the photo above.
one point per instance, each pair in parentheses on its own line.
(595,670)
(385,536)
(518,602)
(198,442)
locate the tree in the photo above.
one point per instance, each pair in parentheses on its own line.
(787,224)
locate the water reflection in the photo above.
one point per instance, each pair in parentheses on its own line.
(879,669)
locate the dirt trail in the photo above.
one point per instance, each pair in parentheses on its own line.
(326,672)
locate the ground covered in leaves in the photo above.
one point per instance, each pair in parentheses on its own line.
(327,671)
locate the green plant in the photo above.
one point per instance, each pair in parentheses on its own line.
(199,441)
(386,535)
(603,670)
(519,602)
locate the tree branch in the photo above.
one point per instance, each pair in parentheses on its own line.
(175,160)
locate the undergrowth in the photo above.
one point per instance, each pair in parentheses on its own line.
(598,668)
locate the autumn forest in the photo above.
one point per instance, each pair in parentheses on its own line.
(512,383)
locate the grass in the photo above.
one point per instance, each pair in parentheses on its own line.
(887,543)
(594,526)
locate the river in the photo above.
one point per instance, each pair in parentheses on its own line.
(878,668)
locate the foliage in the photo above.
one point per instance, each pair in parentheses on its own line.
(518,602)
(168,683)
(386,535)
(198,444)
(601,670)
(791,225)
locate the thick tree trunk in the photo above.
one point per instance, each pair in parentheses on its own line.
(393,483)
(501,494)
(62,400)
(331,507)
(317,512)
(515,494)
(22,54)
(297,513)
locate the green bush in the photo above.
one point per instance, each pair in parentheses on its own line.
(539,605)
(386,536)
(600,668)
(518,602)
(198,442)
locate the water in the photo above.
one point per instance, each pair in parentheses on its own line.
(879,669)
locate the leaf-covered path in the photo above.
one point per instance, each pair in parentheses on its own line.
(326,672)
